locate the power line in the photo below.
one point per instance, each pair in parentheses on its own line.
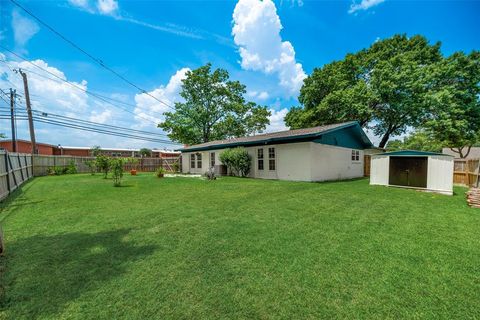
(98,96)
(48,114)
(59,80)
(98,61)
(89,129)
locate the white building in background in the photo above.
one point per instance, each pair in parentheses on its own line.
(330,152)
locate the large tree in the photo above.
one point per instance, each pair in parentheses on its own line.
(454,102)
(381,86)
(214,108)
(418,140)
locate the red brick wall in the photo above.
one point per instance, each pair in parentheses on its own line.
(75,152)
(26,147)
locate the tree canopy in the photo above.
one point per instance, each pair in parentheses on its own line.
(145,152)
(418,140)
(381,86)
(453,116)
(214,108)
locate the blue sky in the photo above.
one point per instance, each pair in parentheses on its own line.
(268,46)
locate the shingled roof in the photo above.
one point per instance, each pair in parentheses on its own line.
(270,137)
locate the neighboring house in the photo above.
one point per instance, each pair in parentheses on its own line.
(331,152)
(474,153)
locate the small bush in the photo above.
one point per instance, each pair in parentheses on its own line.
(210,174)
(71,168)
(92,166)
(160,172)
(103,164)
(116,165)
(57,171)
(237,160)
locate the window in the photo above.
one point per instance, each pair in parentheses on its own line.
(355,155)
(199,160)
(192,161)
(212,159)
(271,158)
(260,159)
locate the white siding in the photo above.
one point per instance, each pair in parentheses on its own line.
(440,174)
(303,161)
(334,163)
(292,161)
(186,166)
(379,170)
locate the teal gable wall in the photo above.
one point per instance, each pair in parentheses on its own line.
(347,138)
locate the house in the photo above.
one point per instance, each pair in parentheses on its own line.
(330,152)
(473,154)
(422,170)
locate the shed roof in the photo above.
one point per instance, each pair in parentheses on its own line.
(288,135)
(410,153)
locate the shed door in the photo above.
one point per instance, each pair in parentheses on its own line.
(408,171)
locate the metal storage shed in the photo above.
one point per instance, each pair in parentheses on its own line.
(427,171)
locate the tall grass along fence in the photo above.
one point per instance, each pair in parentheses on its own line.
(15,169)
(467,172)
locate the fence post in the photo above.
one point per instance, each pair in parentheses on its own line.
(8,172)
(21,167)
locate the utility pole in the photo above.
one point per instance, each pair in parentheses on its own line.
(29,112)
(12,115)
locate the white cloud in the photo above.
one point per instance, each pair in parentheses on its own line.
(276,120)
(107,7)
(23,28)
(149,108)
(256,31)
(263,95)
(112,9)
(363,5)
(101,117)
(79,3)
(57,97)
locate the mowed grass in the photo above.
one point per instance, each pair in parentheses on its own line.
(78,248)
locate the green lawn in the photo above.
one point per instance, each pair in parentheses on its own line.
(78,248)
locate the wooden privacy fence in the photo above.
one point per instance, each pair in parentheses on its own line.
(41,163)
(15,169)
(466,172)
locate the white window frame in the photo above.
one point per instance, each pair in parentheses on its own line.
(192,161)
(274,159)
(355,155)
(262,159)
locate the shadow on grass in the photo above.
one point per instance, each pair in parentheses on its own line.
(42,274)
(15,200)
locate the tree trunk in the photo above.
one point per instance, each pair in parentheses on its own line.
(384,140)
(460,151)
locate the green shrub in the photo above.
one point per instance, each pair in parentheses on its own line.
(71,168)
(160,172)
(92,166)
(237,160)
(56,170)
(103,164)
(116,165)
